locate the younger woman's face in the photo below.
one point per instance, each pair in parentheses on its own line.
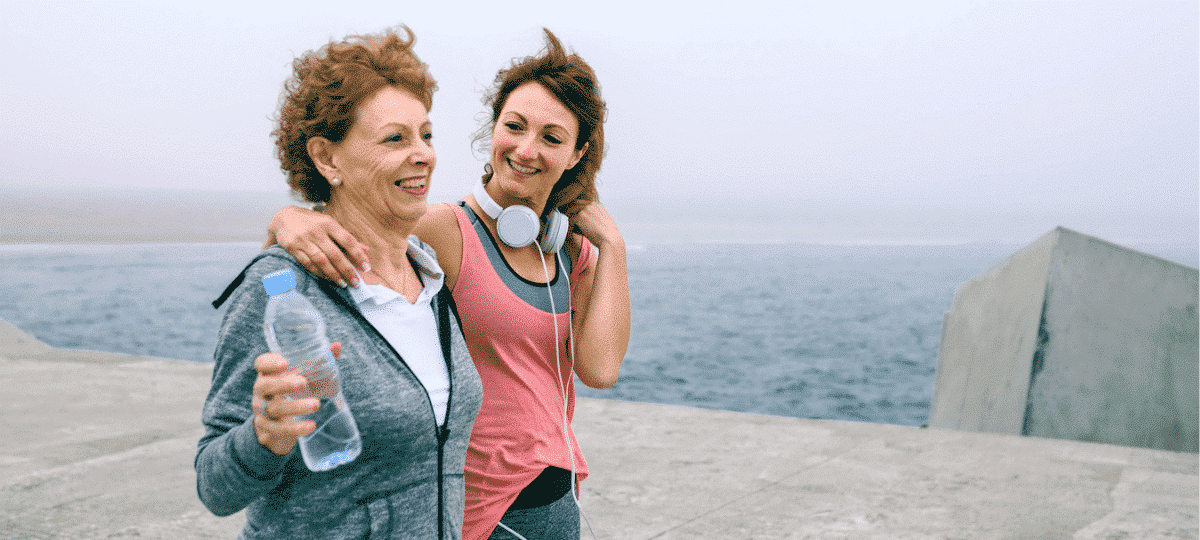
(533,142)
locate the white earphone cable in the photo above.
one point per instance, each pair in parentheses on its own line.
(512,532)
(562,386)
(561,268)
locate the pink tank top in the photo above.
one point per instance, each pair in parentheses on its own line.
(519,430)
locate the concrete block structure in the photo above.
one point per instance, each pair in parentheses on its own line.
(1073,337)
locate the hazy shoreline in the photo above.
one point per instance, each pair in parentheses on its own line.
(126,216)
(254,231)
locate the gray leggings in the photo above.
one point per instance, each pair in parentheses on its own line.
(558,520)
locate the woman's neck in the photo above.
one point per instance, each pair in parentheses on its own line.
(505,199)
(385,238)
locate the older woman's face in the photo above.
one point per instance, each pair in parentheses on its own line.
(533,142)
(386,161)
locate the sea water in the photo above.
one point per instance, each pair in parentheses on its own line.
(814,331)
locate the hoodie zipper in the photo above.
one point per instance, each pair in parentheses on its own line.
(441,433)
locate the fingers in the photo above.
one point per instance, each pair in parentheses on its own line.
(320,244)
(334,256)
(355,251)
(594,223)
(336,349)
(328,261)
(270,364)
(279,385)
(279,412)
(274,379)
(275,423)
(596,211)
(335,262)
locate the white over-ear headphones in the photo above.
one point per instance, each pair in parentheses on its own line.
(518,225)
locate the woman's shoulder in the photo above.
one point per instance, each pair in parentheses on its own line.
(274,259)
(439,226)
(439,219)
(439,229)
(580,250)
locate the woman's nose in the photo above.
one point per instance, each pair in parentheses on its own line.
(424,153)
(526,149)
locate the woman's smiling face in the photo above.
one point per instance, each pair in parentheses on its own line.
(533,142)
(386,161)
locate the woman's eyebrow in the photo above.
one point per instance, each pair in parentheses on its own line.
(547,126)
(392,125)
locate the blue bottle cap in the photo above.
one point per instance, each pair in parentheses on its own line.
(279,282)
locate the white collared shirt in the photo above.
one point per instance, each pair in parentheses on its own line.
(411,329)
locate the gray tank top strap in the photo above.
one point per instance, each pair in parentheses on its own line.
(532,293)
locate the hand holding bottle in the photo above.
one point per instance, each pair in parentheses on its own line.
(275,424)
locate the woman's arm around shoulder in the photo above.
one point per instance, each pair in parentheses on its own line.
(439,228)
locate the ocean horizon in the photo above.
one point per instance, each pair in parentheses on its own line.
(62,215)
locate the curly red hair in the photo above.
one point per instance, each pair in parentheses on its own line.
(573,82)
(326,86)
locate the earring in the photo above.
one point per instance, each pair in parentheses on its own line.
(335,182)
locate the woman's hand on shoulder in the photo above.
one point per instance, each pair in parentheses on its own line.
(594,223)
(319,243)
(275,423)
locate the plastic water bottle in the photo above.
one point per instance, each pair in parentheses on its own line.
(296,331)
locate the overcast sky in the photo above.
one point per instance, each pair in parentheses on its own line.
(823,121)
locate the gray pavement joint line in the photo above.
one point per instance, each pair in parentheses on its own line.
(1125,503)
(1093,528)
(761,489)
(80,466)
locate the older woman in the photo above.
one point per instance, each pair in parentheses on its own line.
(353,133)
(533,313)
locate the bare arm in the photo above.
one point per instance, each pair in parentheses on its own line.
(601,321)
(318,243)
(439,228)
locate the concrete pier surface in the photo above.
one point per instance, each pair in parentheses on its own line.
(98,445)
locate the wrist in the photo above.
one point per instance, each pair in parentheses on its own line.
(610,243)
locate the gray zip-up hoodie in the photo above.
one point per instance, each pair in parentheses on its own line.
(408,480)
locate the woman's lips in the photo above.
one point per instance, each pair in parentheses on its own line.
(521,169)
(414,186)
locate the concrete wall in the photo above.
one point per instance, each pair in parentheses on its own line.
(989,337)
(1074,338)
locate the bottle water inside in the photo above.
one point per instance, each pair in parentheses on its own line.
(296,331)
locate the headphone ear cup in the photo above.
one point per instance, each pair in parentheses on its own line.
(517,226)
(555,233)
